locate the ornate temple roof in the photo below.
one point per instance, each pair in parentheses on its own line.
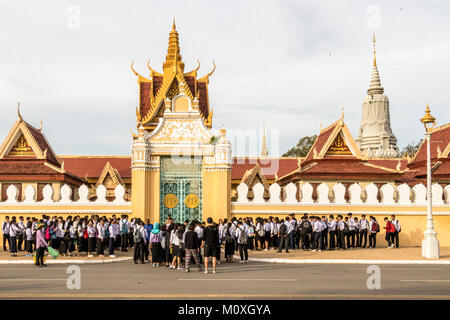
(153,90)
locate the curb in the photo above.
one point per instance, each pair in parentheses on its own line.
(67,261)
(345,261)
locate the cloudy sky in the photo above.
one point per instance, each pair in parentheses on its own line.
(292,64)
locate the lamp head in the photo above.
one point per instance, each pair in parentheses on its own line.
(429,122)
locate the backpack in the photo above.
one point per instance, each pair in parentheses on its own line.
(375,226)
(261,231)
(283,229)
(346,229)
(47,234)
(242,237)
(124,229)
(86,235)
(137,237)
(251,232)
(228,237)
(307,226)
(107,232)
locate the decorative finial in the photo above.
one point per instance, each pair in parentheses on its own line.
(173,24)
(342,113)
(18,111)
(374,51)
(40,128)
(320,125)
(264,151)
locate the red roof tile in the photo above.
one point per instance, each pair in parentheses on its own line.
(144,97)
(439,137)
(269,166)
(92,166)
(320,141)
(42,143)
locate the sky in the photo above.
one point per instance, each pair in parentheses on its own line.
(292,65)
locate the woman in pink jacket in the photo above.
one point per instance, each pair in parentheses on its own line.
(41,245)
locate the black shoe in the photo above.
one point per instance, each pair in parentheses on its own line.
(43,265)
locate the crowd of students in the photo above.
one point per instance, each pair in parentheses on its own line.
(177,245)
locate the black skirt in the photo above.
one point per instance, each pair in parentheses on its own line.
(91,244)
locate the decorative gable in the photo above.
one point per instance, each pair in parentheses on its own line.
(21,148)
(338,147)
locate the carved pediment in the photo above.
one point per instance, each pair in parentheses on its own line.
(180,130)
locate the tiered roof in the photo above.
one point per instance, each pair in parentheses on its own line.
(155,89)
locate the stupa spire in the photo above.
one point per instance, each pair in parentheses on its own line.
(173,57)
(264,151)
(375,82)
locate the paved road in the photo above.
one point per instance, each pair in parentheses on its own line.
(233,281)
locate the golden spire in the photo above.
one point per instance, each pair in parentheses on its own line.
(375,83)
(374,51)
(173,57)
(264,151)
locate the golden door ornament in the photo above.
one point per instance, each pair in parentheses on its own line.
(170,201)
(191,201)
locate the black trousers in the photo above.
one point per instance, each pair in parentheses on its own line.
(284,243)
(6,239)
(243,252)
(388,238)
(324,239)
(363,235)
(29,246)
(91,244)
(156,252)
(305,241)
(40,256)
(372,240)
(19,241)
(124,241)
(318,241)
(100,246)
(139,251)
(275,241)
(332,239)
(395,238)
(64,244)
(351,236)
(341,239)
(111,246)
(13,244)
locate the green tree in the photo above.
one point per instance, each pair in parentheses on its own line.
(301,149)
(412,148)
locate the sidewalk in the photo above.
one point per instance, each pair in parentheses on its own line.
(407,255)
(5,258)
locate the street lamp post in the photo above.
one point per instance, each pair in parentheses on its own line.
(430,244)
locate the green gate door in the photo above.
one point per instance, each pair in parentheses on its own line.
(181,188)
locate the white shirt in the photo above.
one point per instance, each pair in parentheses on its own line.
(14,230)
(239,231)
(114,230)
(332,225)
(289,227)
(199,231)
(29,234)
(101,231)
(363,223)
(174,238)
(91,231)
(341,225)
(317,226)
(396,224)
(351,224)
(5,227)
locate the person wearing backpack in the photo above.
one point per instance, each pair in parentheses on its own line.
(242,240)
(228,239)
(283,235)
(139,237)
(176,237)
(395,234)
(124,227)
(389,228)
(305,230)
(248,225)
(101,238)
(155,245)
(374,229)
(260,233)
(91,238)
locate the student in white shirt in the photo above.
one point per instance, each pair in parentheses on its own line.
(332,232)
(176,237)
(398,229)
(101,236)
(5,231)
(242,240)
(351,231)
(91,233)
(364,227)
(20,236)
(13,234)
(317,229)
(73,238)
(340,226)
(114,230)
(29,239)
(373,232)
(228,237)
